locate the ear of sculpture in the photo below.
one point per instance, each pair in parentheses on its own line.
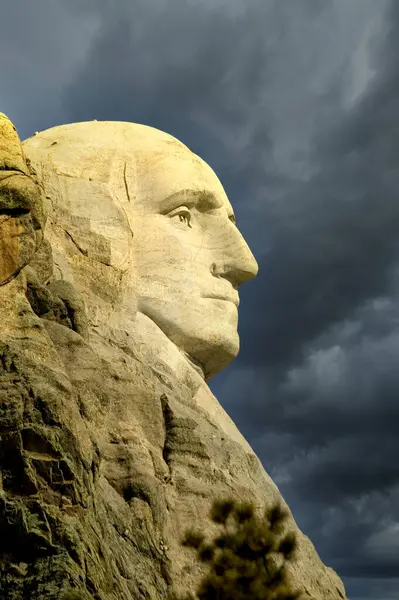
(22,207)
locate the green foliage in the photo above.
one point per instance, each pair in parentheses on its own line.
(248,560)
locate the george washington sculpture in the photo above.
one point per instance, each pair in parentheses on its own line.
(120,264)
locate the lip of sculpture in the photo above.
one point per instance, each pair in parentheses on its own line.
(233,299)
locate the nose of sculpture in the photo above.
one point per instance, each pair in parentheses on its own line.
(237,264)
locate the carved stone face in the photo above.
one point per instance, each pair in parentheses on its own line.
(190,256)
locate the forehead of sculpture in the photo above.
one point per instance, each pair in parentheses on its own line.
(172,176)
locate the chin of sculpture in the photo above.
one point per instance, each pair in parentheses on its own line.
(209,358)
(209,346)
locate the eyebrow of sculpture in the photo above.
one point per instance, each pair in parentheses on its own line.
(203,199)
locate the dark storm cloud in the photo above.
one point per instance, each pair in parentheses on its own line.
(294,105)
(174,68)
(236,82)
(42,45)
(336,237)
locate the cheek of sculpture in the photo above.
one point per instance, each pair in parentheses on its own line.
(174,285)
(168,265)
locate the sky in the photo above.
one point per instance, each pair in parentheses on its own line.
(294,104)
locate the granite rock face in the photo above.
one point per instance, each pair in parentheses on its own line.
(22,214)
(111,442)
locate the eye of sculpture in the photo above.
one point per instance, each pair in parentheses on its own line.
(184,215)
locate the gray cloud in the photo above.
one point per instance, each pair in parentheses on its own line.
(42,45)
